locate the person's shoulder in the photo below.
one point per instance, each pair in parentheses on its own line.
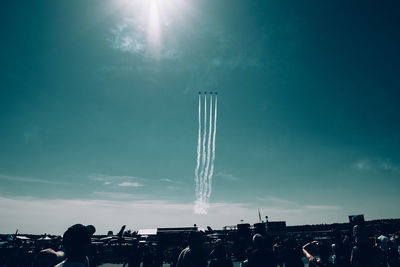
(355,248)
(184,252)
(61,264)
(69,264)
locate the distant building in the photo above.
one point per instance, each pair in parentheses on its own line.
(277,228)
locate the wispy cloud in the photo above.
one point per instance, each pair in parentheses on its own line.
(322,207)
(376,165)
(130,184)
(118,196)
(105,177)
(130,36)
(227,176)
(123,180)
(388,166)
(167,180)
(279,201)
(292,206)
(170,181)
(362,165)
(30,180)
(128,40)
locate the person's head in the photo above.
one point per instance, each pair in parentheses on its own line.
(360,234)
(195,240)
(77,240)
(258,241)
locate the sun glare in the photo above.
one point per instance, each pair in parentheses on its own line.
(156,17)
(154,27)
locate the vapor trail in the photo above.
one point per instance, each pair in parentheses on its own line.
(203,159)
(213,149)
(206,182)
(198,151)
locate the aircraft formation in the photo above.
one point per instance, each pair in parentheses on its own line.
(205,92)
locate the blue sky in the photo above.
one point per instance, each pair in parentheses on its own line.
(98,111)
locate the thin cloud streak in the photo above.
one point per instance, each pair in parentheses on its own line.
(123,180)
(322,207)
(167,180)
(130,184)
(30,180)
(118,196)
(291,206)
(105,177)
(227,176)
(277,200)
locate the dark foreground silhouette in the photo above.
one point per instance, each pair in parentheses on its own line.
(359,246)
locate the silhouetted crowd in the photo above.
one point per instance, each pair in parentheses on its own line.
(76,249)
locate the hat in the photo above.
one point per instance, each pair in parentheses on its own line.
(78,235)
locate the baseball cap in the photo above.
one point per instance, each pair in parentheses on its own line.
(78,235)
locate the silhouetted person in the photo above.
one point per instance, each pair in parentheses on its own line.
(133,259)
(48,257)
(76,242)
(149,257)
(292,254)
(261,255)
(192,256)
(380,253)
(175,255)
(159,255)
(362,253)
(393,255)
(219,257)
(322,250)
(278,250)
(341,250)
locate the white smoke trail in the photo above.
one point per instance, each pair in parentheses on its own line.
(201,207)
(203,159)
(198,151)
(205,155)
(213,150)
(206,183)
